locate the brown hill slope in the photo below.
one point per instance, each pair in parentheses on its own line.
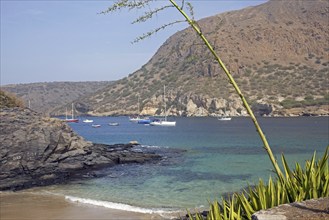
(277,52)
(45,97)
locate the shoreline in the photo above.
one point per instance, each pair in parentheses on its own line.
(26,205)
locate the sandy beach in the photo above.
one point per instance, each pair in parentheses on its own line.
(29,205)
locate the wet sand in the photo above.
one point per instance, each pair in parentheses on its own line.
(32,206)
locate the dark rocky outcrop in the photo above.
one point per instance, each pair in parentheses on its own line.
(262,109)
(36,150)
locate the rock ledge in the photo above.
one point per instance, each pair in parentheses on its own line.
(36,150)
(314,209)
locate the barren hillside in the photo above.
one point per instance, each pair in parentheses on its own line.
(277,52)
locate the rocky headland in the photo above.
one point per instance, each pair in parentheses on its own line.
(37,150)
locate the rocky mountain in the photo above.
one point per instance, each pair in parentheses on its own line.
(277,52)
(46,97)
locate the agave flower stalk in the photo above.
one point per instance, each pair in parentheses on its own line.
(267,147)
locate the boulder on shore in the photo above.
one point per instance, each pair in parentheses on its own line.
(37,150)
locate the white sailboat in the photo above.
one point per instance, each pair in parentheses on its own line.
(88,121)
(72,119)
(224,117)
(135,118)
(139,119)
(159,122)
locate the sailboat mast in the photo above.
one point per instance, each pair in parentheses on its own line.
(138,106)
(72,112)
(164,100)
(225,107)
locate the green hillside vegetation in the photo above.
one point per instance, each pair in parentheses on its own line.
(308,101)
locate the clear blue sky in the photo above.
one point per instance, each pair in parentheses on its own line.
(67,40)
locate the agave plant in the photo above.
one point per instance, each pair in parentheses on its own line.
(309,183)
(298,185)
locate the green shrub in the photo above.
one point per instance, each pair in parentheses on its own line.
(10,100)
(308,101)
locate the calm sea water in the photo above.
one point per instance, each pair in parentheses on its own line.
(203,159)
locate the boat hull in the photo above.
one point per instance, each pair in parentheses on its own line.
(224,119)
(163,123)
(114,124)
(144,121)
(71,120)
(87,121)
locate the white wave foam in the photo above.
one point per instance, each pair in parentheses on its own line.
(123,207)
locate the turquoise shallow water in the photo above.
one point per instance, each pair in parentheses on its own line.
(203,158)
